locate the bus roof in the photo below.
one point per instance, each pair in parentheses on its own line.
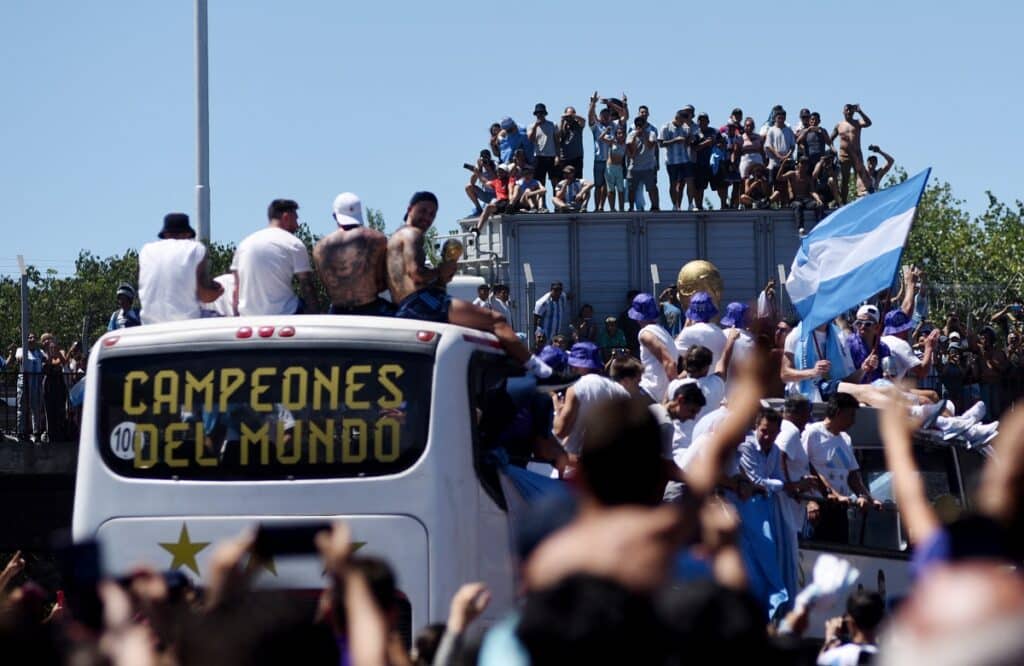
(213,332)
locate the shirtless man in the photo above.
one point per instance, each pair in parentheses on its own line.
(850,155)
(876,174)
(800,183)
(419,292)
(351,262)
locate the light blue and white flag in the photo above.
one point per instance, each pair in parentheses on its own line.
(853,253)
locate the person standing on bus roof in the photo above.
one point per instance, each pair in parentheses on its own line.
(351,262)
(265,262)
(419,292)
(174,274)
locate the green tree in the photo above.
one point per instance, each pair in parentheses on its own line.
(375,219)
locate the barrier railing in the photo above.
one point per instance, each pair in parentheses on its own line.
(38,405)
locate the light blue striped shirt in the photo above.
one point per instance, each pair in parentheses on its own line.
(551,313)
(678,153)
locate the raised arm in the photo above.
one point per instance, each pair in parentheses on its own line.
(889,161)
(566,412)
(864,120)
(666,357)
(591,110)
(907,485)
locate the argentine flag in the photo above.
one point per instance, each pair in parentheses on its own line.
(853,253)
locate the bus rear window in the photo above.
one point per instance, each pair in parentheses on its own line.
(245,415)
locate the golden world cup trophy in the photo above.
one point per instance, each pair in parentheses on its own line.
(452,250)
(698,275)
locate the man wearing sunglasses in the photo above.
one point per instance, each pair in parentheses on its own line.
(866,347)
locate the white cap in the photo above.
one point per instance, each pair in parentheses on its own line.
(868,312)
(348,210)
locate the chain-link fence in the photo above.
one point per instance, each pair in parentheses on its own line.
(38,405)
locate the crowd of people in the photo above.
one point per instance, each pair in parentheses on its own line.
(746,166)
(646,560)
(44,375)
(682,438)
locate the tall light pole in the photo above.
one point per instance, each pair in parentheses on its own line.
(202,126)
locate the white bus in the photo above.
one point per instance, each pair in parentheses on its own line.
(194,430)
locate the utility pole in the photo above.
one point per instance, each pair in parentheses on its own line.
(202,126)
(25,395)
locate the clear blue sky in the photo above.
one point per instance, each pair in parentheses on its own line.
(314,97)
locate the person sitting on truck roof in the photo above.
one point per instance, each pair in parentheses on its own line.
(351,262)
(419,292)
(572,193)
(499,204)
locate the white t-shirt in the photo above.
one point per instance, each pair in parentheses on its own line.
(705,335)
(665,427)
(709,422)
(501,308)
(655,381)
(713,389)
(167,280)
(831,455)
(481,303)
(790,347)
(903,358)
(742,348)
(795,467)
(265,262)
(223,306)
(845,655)
(590,390)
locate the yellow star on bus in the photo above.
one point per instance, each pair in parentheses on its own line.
(185,550)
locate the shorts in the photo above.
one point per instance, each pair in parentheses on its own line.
(545,168)
(376,308)
(484,194)
(615,178)
(679,172)
(500,205)
(747,161)
(576,163)
(719,180)
(828,388)
(646,177)
(599,174)
(429,304)
(702,176)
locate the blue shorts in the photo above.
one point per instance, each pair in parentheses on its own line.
(430,304)
(599,171)
(377,308)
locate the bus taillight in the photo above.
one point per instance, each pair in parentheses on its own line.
(244,332)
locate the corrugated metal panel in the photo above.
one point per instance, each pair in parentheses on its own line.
(732,245)
(670,245)
(545,246)
(604,262)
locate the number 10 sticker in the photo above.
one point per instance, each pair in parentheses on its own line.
(122,439)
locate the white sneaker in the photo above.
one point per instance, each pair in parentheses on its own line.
(930,414)
(956,426)
(538,367)
(982,434)
(977,411)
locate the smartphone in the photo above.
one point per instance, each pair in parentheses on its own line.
(291,539)
(80,571)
